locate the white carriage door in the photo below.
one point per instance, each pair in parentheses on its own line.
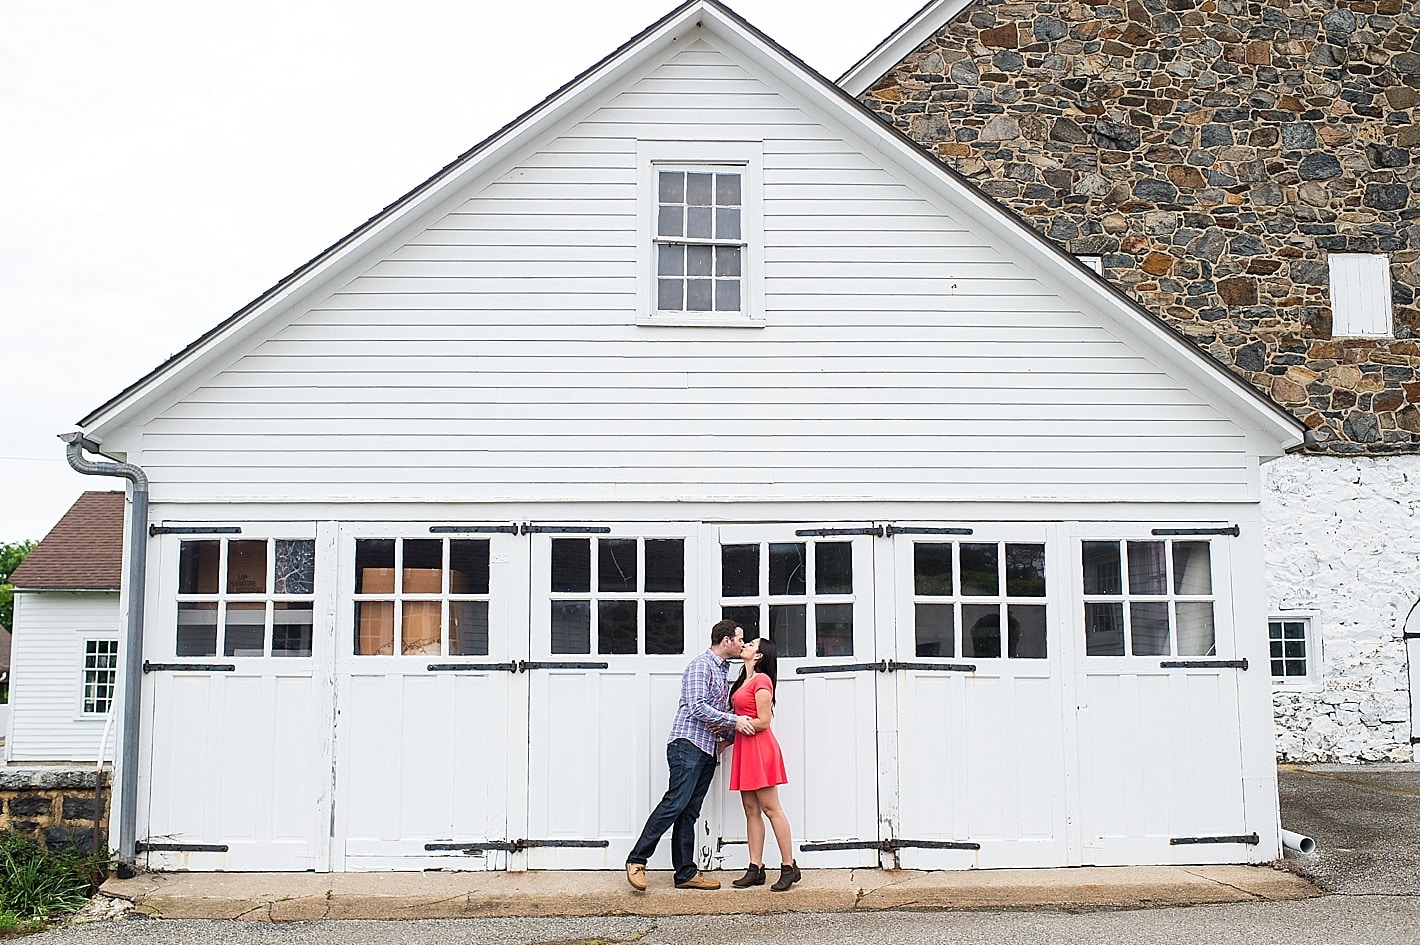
(235,767)
(809,589)
(613,623)
(424,676)
(979,669)
(1160,746)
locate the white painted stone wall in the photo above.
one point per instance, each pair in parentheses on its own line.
(1343,539)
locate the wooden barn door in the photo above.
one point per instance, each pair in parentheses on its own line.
(1160,748)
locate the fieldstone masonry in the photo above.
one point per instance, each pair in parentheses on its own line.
(1213,152)
(55,805)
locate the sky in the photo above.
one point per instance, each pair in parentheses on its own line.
(164,162)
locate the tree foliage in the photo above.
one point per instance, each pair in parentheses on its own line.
(11,554)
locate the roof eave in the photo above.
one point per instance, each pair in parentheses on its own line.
(862,75)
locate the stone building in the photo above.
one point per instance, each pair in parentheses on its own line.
(1243,170)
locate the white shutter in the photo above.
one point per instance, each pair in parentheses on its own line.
(1360,294)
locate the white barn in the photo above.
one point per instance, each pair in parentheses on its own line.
(437,521)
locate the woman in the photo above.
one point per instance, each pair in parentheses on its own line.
(757,768)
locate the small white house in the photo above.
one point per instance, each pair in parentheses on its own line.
(64,655)
(437,521)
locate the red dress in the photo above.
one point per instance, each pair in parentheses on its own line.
(757,761)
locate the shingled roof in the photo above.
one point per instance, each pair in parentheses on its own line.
(83,552)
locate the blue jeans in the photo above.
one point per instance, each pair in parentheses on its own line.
(691,772)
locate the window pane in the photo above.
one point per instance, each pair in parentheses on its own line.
(670,260)
(571,626)
(571,565)
(1192,568)
(468,566)
(246,567)
(670,295)
(197,567)
(833,630)
(245,630)
(833,567)
(424,554)
(700,260)
(739,572)
(1196,634)
(616,565)
(197,629)
(616,626)
(1101,569)
(699,223)
(422,633)
(727,295)
(1104,627)
(672,187)
(746,617)
(295,567)
(670,221)
(698,189)
(979,577)
(1292,649)
(788,569)
(727,260)
(936,629)
(468,628)
(1148,572)
(665,626)
(665,566)
(1025,570)
(291,628)
(981,631)
(727,223)
(1149,628)
(374,566)
(932,569)
(1025,627)
(727,190)
(374,622)
(698,295)
(788,630)
(1279,668)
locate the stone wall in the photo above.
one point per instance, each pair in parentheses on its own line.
(55,805)
(1343,539)
(1213,152)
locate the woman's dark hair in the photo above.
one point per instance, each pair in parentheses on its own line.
(768,665)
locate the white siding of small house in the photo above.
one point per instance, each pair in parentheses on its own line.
(494,355)
(47,674)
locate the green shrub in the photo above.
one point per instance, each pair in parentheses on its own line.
(38,883)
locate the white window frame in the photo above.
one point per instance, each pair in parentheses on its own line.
(746,156)
(1360,295)
(1094,263)
(84,641)
(1311,619)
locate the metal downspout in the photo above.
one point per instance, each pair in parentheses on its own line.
(135,580)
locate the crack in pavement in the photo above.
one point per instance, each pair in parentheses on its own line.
(1256,897)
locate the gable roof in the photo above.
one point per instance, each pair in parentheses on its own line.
(84,551)
(1233,397)
(903,40)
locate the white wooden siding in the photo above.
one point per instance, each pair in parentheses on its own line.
(495,355)
(47,674)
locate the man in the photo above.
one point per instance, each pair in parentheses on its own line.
(702,723)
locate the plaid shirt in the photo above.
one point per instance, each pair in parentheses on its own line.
(704,701)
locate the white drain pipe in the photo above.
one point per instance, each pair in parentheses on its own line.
(1298,843)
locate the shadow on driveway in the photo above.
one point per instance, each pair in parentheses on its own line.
(1365,820)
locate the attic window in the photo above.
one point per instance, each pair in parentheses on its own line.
(699,240)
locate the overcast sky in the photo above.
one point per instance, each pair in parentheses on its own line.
(164,162)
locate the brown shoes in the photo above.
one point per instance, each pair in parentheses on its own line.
(754,876)
(699,881)
(788,875)
(636,876)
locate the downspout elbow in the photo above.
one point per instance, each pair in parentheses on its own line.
(74,446)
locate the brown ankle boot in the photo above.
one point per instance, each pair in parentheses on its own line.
(788,875)
(754,876)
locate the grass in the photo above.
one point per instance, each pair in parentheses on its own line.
(38,884)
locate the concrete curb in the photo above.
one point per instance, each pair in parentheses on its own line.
(294,897)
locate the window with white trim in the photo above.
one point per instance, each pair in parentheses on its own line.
(1293,651)
(1360,295)
(1148,598)
(100,675)
(1095,263)
(699,239)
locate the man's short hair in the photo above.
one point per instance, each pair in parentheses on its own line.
(723,631)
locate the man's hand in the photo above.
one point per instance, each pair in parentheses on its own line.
(745,725)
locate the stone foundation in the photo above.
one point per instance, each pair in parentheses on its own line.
(55,805)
